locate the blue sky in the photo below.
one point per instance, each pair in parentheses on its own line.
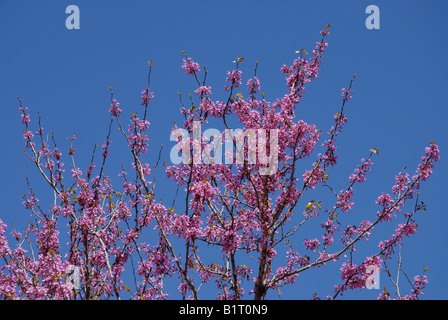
(399,105)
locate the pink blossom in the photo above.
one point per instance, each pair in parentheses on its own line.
(204,90)
(234,77)
(31,201)
(114,110)
(253,85)
(4,247)
(76,173)
(344,200)
(361,171)
(313,177)
(402,183)
(346,94)
(311,244)
(28,135)
(24,117)
(191,67)
(146,96)
(187,227)
(385,200)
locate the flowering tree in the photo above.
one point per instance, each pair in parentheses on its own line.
(236,217)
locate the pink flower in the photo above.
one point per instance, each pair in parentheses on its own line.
(385,200)
(361,171)
(313,177)
(234,77)
(146,96)
(76,173)
(201,191)
(346,94)
(25,117)
(191,67)
(230,241)
(114,109)
(4,247)
(28,135)
(187,227)
(253,85)
(129,187)
(402,183)
(31,201)
(204,90)
(138,124)
(71,151)
(343,200)
(311,244)
(325,32)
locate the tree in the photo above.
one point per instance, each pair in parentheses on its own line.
(234,211)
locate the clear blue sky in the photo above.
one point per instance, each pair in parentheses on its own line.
(399,105)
